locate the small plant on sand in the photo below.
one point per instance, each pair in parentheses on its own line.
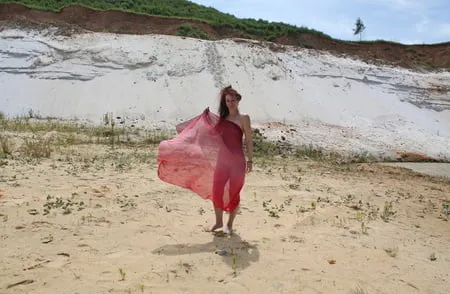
(445,210)
(349,198)
(263,149)
(312,207)
(392,252)
(273,210)
(372,211)
(4,217)
(37,148)
(2,163)
(365,213)
(361,217)
(66,205)
(234,266)
(388,211)
(234,263)
(301,209)
(364,228)
(122,274)
(109,122)
(156,136)
(92,219)
(357,290)
(311,152)
(288,201)
(6,146)
(126,203)
(122,162)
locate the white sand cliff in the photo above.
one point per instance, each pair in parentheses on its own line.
(337,103)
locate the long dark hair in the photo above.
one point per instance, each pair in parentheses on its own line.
(223,108)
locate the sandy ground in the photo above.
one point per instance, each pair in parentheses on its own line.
(303,227)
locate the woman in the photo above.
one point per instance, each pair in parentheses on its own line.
(207,156)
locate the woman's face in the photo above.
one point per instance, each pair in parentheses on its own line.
(232,102)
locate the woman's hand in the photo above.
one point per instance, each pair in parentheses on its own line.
(246,124)
(249,166)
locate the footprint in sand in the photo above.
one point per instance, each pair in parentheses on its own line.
(61,260)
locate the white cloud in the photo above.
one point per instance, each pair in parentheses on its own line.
(422,26)
(410,42)
(341,27)
(440,30)
(398,4)
(443,30)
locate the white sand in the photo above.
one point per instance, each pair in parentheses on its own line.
(333,102)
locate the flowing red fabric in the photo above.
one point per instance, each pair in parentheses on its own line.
(207,158)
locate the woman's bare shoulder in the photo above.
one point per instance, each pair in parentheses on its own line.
(245,120)
(244,116)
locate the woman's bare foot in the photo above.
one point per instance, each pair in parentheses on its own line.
(216,226)
(228,230)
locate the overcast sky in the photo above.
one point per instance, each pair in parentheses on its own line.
(405,21)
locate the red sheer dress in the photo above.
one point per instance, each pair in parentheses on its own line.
(207,158)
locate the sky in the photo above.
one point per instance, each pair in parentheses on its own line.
(404,21)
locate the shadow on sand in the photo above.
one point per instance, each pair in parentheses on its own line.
(235,252)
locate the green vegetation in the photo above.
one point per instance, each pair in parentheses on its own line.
(66,205)
(250,28)
(39,137)
(266,150)
(188,30)
(262,147)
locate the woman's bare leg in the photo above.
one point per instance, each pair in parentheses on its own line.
(231,219)
(220,180)
(219,218)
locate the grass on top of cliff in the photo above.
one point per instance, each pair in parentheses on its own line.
(180,9)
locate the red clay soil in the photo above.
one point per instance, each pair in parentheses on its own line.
(436,56)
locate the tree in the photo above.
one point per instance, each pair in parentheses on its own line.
(359,28)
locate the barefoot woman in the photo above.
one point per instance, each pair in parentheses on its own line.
(231,166)
(207,156)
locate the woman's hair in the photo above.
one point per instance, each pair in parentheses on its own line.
(223,108)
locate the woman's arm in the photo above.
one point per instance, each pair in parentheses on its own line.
(246,125)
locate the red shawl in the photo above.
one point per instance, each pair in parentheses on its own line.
(207,158)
